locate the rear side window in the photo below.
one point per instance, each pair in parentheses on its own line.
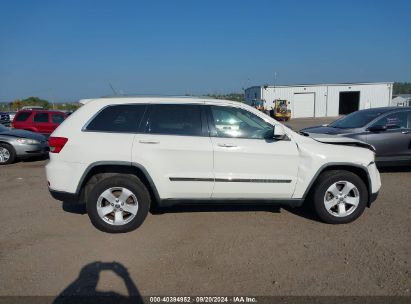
(175,120)
(57,118)
(22,116)
(41,117)
(119,118)
(394,121)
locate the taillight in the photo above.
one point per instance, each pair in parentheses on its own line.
(57,144)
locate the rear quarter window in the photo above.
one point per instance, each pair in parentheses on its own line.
(22,116)
(57,118)
(41,117)
(118,118)
(394,121)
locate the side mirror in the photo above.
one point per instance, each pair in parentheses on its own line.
(377,128)
(278,133)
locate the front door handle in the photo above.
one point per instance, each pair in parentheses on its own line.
(152,142)
(227,145)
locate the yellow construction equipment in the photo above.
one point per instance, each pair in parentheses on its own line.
(280,110)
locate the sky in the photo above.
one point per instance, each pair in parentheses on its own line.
(71,49)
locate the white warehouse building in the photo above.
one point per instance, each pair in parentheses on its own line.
(321,100)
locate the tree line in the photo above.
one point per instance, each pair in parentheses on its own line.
(398,88)
(401,88)
(37,101)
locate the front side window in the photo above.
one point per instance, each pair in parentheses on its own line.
(173,119)
(57,118)
(356,119)
(238,123)
(41,117)
(118,118)
(394,121)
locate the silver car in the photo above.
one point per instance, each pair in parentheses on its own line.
(19,144)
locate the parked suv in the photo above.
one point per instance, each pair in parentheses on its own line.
(39,121)
(119,155)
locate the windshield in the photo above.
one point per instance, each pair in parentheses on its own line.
(258,103)
(355,120)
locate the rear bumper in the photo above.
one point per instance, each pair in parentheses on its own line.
(64,196)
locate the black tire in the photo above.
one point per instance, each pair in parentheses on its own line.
(129,182)
(11,151)
(327,179)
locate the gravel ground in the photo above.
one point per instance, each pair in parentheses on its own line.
(47,247)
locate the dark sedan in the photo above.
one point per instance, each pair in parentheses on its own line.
(5,119)
(387,129)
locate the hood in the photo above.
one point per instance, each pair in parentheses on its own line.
(24,134)
(327,130)
(340,140)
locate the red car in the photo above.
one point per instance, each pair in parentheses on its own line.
(39,121)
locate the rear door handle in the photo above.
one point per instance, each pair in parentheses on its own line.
(227,145)
(152,142)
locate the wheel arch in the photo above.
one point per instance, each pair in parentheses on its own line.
(358,170)
(98,170)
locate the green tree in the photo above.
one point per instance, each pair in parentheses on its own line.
(402,88)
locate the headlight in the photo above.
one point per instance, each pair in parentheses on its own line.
(27,141)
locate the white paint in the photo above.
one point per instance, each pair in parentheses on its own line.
(297,159)
(303,105)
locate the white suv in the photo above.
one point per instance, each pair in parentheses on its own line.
(121,155)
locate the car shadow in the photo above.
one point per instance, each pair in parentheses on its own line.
(84,288)
(305,211)
(80,208)
(394,169)
(33,159)
(74,207)
(191,208)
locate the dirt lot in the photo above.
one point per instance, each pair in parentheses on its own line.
(45,246)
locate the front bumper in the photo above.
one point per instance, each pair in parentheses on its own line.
(373,198)
(25,151)
(375,182)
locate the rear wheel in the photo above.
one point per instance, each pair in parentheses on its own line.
(118,204)
(339,197)
(7,154)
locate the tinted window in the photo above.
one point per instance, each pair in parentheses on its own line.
(356,120)
(393,121)
(175,120)
(22,116)
(41,117)
(57,118)
(239,123)
(121,118)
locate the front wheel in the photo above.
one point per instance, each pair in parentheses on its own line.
(118,204)
(7,154)
(339,197)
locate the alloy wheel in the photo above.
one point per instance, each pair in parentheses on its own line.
(341,199)
(4,155)
(117,206)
